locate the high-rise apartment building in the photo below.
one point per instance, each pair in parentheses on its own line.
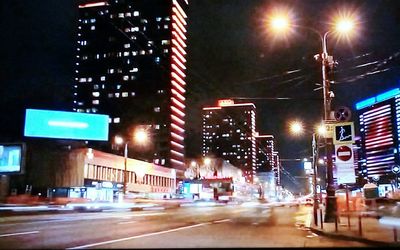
(229,133)
(265,145)
(130,65)
(380,133)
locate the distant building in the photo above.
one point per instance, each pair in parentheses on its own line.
(277,167)
(229,133)
(265,145)
(130,65)
(380,129)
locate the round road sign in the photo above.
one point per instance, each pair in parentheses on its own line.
(344,153)
(342,114)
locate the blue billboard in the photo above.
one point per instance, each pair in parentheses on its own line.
(11,159)
(66,125)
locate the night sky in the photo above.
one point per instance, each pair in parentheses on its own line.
(230,54)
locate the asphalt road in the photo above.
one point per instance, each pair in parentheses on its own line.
(204,226)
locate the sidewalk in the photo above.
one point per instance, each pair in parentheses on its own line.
(363,227)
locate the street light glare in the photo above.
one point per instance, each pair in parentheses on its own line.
(141,136)
(280,23)
(296,127)
(118,140)
(321,130)
(344,26)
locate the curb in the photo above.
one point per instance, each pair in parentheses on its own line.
(354,238)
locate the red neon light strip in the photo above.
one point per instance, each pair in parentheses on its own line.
(177,111)
(178,78)
(176,52)
(175,118)
(179,8)
(178,14)
(177,61)
(173,66)
(88,5)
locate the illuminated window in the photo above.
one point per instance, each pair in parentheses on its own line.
(156,109)
(116,94)
(95,86)
(90,79)
(125,78)
(136,13)
(126,53)
(102,78)
(160,91)
(111,71)
(95,102)
(117,120)
(128,14)
(124,94)
(142,52)
(110,95)
(96,94)
(158,19)
(127,45)
(119,86)
(92,27)
(165,50)
(133,93)
(82,80)
(165,42)
(121,15)
(165,26)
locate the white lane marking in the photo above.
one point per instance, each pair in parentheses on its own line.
(127,222)
(139,236)
(22,233)
(149,214)
(221,221)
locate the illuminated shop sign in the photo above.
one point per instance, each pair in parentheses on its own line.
(66,125)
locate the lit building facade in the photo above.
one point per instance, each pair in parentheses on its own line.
(130,65)
(379,129)
(277,167)
(229,133)
(265,145)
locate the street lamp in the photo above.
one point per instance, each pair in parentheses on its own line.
(297,128)
(343,25)
(140,137)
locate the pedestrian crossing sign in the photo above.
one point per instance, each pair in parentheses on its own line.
(343,133)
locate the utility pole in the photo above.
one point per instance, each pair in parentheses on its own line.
(327,61)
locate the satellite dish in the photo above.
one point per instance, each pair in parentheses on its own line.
(342,114)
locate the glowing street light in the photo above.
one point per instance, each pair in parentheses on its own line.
(343,25)
(140,137)
(296,127)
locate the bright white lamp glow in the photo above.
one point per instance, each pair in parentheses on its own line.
(344,26)
(296,127)
(119,140)
(280,23)
(141,136)
(321,130)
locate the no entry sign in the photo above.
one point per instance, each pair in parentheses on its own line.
(344,153)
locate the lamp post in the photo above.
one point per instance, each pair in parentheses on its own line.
(297,128)
(140,137)
(120,140)
(280,22)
